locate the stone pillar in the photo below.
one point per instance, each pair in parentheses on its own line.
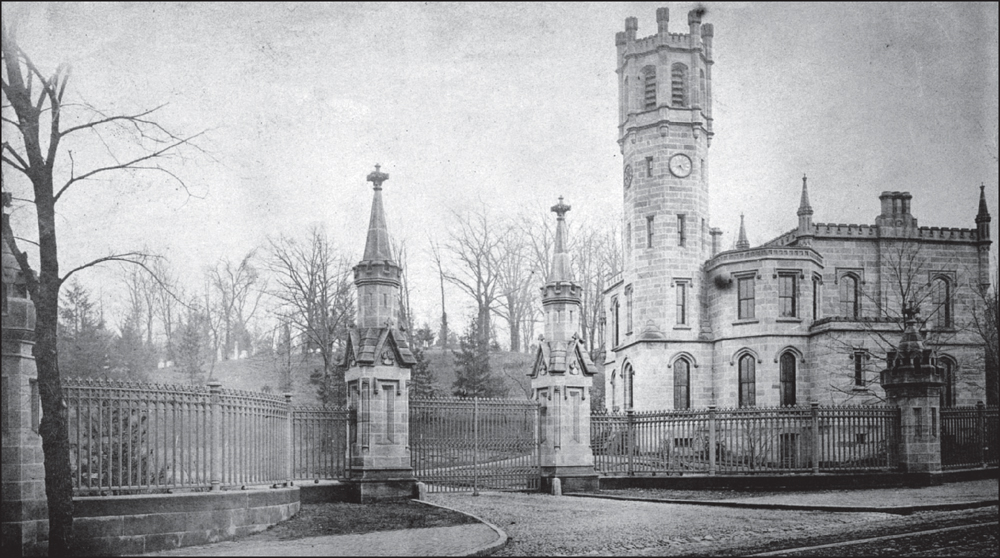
(378,361)
(913,383)
(561,377)
(25,511)
(379,467)
(565,451)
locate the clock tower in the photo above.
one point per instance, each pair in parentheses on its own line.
(664,132)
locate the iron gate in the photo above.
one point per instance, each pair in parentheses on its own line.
(472,444)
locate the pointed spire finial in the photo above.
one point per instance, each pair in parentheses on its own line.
(742,243)
(804,207)
(561,269)
(377,246)
(984,212)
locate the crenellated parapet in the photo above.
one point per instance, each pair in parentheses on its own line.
(699,37)
(384,272)
(772,253)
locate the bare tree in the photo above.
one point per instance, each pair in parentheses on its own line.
(238,288)
(314,290)
(474,246)
(516,282)
(38,121)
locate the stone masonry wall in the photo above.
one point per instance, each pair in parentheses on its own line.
(130,525)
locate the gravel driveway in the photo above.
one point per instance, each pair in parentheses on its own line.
(608,527)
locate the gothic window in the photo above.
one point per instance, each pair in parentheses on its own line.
(649,87)
(680,229)
(787,296)
(678,85)
(942,303)
(649,231)
(850,303)
(748,381)
(787,371)
(859,368)
(681,290)
(745,290)
(682,384)
(948,369)
(628,375)
(628,309)
(628,236)
(816,298)
(614,317)
(649,167)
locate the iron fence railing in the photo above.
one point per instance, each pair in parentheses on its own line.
(319,443)
(969,436)
(746,440)
(472,443)
(128,437)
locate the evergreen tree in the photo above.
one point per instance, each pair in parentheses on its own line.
(84,344)
(422,382)
(192,346)
(474,377)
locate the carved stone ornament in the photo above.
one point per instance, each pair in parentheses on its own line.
(387,357)
(573,369)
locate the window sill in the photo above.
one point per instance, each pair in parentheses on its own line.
(860,389)
(687,327)
(746,321)
(789,320)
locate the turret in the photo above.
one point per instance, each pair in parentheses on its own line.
(561,295)
(377,275)
(896,214)
(716,234)
(663,21)
(694,23)
(805,213)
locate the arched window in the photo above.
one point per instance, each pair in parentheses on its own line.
(615,325)
(649,87)
(787,380)
(948,369)
(678,85)
(614,401)
(628,376)
(849,300)
(682,384)
(625,100)
(748,381)
(942,303)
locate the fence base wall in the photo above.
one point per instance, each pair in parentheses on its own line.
(798,482)
(129,525)
(369,491)
(573,479)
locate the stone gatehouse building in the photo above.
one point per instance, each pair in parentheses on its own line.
(806,316)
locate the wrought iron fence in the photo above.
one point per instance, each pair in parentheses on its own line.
(969,436)
(471,444)
(319,443)
(746,440)
(128,437)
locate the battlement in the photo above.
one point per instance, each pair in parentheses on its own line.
(735,256)
(947,233)
(849,230)
(699,36)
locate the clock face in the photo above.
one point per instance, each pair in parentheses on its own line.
(628,175)
(680,165)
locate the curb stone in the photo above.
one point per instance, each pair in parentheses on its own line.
(484,550)
(898,510)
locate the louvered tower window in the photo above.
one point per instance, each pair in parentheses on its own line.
(678,87)
(649,87)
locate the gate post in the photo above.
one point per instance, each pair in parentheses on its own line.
(563,373)
(814,409)
(712,442)
(290,441)
(980,431)
(378,361)
(25,510)
(913,383)
(630,439)
(215,458)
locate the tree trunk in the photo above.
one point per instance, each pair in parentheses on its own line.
(53,427)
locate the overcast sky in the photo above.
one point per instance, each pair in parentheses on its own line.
(512,106)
